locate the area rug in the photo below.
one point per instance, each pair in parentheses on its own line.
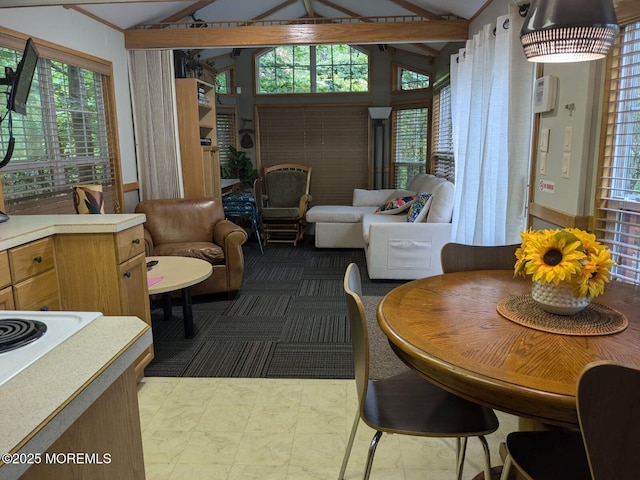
(288,321)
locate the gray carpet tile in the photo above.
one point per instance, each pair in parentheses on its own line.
(232,359)
(313,305)
(258,305)
(258,328)
(259,287)
(311,361)
(316,329)
(287,321)
(172,358)
(319,288)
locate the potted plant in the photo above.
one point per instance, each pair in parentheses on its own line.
(239,166)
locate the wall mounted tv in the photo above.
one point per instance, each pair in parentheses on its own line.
(20,81)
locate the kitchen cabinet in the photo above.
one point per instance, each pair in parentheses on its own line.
(6,291)
(196,109)
(105,272)
(32,267)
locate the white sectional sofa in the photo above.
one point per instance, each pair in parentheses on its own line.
(395,248)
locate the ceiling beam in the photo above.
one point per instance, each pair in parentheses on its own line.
(309,8)
(417,10)
(307,34)
(53,3)
(275,9)
(185,12)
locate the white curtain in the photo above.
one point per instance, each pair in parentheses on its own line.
(154,118)
(491,88)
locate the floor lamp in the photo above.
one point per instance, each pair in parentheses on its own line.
(378,115)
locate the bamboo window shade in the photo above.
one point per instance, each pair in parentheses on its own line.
(334,140)
(617,208)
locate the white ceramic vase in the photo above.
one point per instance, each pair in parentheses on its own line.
(559,299)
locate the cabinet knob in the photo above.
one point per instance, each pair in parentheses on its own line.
(38,259)
(45,309)
(136,241)
(127,274)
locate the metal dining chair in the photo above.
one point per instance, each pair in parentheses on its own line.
(607,444)
(458,257)
(407,403)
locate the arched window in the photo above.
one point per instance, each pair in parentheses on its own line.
(312,69)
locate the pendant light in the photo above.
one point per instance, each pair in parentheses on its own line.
(558,31)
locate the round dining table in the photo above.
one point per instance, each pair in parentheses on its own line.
(447,327)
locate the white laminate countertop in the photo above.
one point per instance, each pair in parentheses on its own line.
(21,229)
(43,400)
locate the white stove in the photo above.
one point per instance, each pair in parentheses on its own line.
(59,327)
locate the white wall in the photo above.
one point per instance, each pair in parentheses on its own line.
(73,30)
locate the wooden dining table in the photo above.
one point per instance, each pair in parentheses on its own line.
(448,329)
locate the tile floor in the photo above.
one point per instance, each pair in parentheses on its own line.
(228,429)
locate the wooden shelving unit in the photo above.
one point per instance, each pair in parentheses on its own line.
(196,105)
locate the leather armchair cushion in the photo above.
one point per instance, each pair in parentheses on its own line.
(208,251)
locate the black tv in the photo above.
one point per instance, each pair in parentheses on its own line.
(23,78)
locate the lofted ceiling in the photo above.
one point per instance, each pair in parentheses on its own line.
(126,15)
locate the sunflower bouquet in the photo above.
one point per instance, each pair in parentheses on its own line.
(568,255)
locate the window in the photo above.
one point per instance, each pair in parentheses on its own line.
(406,79)
(441,162)
(224,82)
(312,69)
(618,199)
(410,127)
(226,132)
(63,140)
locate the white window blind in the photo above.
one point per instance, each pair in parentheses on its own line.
(410,127)
(331,139)
(226,130)
(441,163)
(63,140)
(618,199)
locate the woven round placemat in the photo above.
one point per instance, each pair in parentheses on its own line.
(596,319)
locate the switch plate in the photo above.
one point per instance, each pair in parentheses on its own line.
(566,165)
(568,138)
(543,163)
(543,144)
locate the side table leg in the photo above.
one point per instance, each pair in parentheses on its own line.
(167,307)
(187,313)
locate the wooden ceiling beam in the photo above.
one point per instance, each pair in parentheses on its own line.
(416,9)
(307,34)
(275,9)
(56,3)
(338,8)
(309,8)
(185,12)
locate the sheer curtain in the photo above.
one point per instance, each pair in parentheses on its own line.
(491,88)
(154,118)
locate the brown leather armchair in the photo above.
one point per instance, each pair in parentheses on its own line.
(196,228)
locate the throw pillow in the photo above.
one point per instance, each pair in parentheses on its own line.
(396,205)
(400,193)
(419,208)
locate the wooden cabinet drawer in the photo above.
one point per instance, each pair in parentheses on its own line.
(5,272)
(6,299)
(38,293)
(31,259)
(129,243)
